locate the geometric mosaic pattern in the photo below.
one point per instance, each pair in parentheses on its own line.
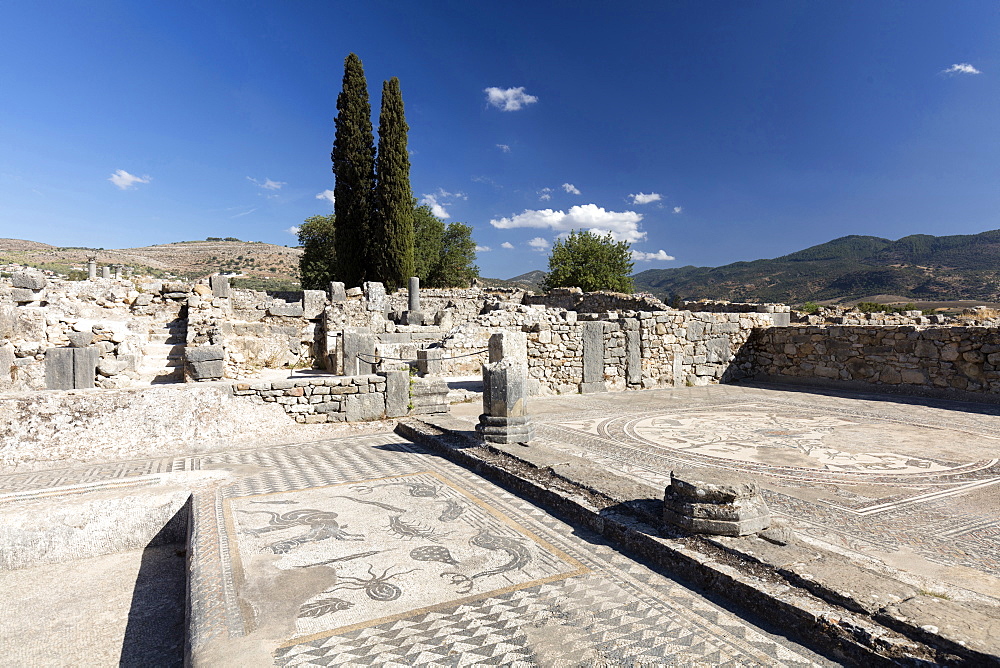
(869,475)
(586,605)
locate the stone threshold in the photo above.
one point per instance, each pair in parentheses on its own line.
(850,611)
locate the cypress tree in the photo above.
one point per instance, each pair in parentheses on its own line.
(391,238)
(354,169)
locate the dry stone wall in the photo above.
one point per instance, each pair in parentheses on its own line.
(962,359)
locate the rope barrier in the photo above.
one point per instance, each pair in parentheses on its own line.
(375,358)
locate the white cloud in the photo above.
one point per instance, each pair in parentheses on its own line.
(508,99)
(483,249)
(571,189)
(661,254)
(678,209)
(268,184)
(539,244)
(245,213)
(504,147)
(545,194)
(294,229)
(124,180)
(622,225)
(961,68)
(327,195)
(508,245)
(436,207)
(444,194)
(644,198)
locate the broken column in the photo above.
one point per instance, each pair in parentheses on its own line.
(91,269)
(429,362)
(118,272)
(714,502)
(505,391)
(414,316)
(105,271)
(337,291)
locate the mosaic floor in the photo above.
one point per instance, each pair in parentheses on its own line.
(879,476)
(392,556)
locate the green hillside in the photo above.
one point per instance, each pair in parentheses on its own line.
(918,267)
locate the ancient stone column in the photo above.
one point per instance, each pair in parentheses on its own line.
(414,293)
(118,272)
(357,341)
(105,271)
(91,269)
(505,402)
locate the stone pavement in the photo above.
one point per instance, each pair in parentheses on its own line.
(371,550)
(913,483)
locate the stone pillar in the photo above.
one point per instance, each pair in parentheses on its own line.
(105,271)
(118,272)
(713,502)
(337,291)
(633,352)
(429,362)
(414,293)
(219,285)
(91,269)
(593,358)
(505,402)
(374,295)
(71,368)
(511,346)
(357,341)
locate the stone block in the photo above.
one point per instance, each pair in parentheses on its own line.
(593,352)
(219,285)
(367,406)
(357,341)
(397,393)
(209,369)
(706,501)
(633,356)
(414,317)
(22,279)
(286,309)
(429,361)
(80,339)
(337,291)
(204,353)
(59,369)
(353,292)
(25,295)
(592,388)
(313,303)
(507,345)
(85,367)
(374,296)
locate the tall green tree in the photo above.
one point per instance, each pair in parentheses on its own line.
(316,236)
(456,262)
(428,233)
(391,239)
(590,261)
(354,169)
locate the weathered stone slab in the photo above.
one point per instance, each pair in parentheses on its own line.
(374,296)
(209,369)
(85,362)
(313,303)
(593,352)
(290,310)
(429,361)
(633,353)
(357,341)
(204,353)
(219,285)
(59,369)
(337,291)
(367,406)
(23,279)
(397,393)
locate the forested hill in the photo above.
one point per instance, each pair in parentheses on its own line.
(918,267)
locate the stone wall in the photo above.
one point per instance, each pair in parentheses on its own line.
(964,359)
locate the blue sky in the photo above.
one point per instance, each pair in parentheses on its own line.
(703,132)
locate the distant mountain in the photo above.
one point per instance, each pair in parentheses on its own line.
(918,267)
(528,281)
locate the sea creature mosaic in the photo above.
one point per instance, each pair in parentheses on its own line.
(391,547)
